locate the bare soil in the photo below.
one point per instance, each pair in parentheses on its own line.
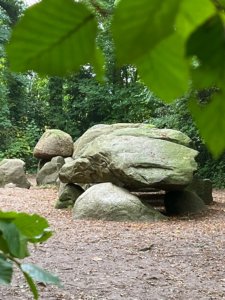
(182,258)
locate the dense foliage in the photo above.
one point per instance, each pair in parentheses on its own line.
(73,103)
(175,45)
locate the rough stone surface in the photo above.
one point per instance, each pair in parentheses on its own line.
(183,203)
(41,163)
(12,172)
(49,173)
(133,129)
(203,188)
(52,143)
(133,161)
(106,201)
(68,159)
(68,194)
(58,160)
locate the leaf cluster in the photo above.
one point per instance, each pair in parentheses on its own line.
(16,231)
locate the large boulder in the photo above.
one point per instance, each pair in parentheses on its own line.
(49,173)
(53,142)
(134,129)
(12,171)
(106,201)
(135,158)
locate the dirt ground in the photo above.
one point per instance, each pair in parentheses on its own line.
(182,258)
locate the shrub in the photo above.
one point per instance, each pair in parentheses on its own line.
(21,144)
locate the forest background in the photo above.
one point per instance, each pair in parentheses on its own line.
(30,104)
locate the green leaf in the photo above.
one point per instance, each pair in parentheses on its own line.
(221,3)
(207,43)
(34,227)
(116,2)
(54,37)
(9,215)
(16,242)
(6,271)
(98,65)
(44,236)
(138,26)
(3,244)
(211,122)
(192,14)
(32,285)
(39,274)
(165,70)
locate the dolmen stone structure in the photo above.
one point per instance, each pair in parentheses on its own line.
(134,156)
(100,172)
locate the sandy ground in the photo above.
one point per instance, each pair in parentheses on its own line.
(182,258)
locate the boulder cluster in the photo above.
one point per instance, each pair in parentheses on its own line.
(106,172)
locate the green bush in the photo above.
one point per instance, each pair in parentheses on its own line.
(21,144)
(214,170)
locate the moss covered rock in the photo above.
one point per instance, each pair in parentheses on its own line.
(54,142)
(133,157)
(106,201)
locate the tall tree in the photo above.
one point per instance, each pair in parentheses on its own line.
(11,12)
(13,8)
(56,115)
(5,123)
